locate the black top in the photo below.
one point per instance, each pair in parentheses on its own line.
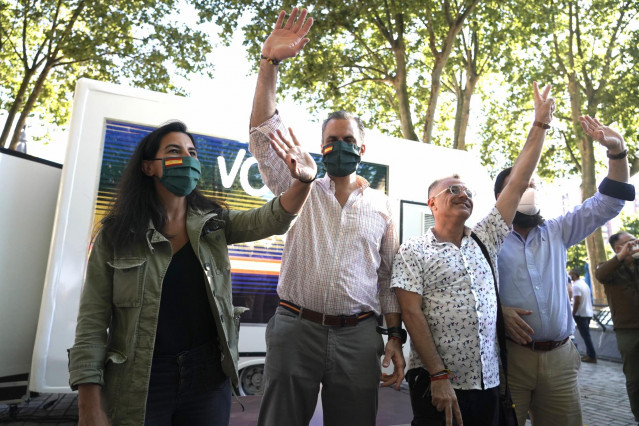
(185,320)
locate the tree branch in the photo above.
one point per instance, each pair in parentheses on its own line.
(572,154)
(431,32)
(372,53)
(608,56)
(364,67)
(361,80)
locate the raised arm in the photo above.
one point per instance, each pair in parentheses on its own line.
(611,139)
(286,41)
(528,158)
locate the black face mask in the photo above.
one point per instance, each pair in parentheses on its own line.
(341,158)
(527,220)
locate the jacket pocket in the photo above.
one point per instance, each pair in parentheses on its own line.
(128,279)
(216,242)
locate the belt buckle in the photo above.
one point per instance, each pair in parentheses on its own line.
(344,318)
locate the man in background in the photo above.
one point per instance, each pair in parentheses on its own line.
(620,278)
(582,313)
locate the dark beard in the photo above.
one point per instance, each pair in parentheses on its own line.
(528,221)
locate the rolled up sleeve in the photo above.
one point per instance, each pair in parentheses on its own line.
(262,222)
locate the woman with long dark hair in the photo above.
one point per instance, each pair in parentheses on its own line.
(156,339)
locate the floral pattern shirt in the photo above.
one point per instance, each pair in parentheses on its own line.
(458,299)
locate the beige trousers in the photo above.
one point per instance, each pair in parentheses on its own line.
(545,383)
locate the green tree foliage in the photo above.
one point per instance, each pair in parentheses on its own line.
(577,257)
(630,224)
(588,51)
(46,45)
(481,44)
(381,59)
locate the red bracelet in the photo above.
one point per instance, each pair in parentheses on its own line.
(440,377)
(396,338)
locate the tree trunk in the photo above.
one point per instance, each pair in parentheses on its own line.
(594,242)
(28,106)
(462,116)
(401,91)
(15,107)
(459,106)
(441,58)
(435,89)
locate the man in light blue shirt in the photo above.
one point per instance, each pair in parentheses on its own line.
(542,361)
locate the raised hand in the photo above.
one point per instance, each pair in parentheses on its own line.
(544,105)
(606,136)
(299,162)
(629,250)
(288,40)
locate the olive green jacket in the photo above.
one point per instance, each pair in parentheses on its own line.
(120,303)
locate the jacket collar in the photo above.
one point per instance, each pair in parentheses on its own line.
(195,222)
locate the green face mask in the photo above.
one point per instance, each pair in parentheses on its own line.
(341,158)
(180,175)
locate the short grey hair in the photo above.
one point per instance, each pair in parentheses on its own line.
(345,115)
(436,182)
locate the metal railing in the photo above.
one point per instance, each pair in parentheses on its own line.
(601,315)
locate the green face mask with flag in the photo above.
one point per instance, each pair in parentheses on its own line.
(180,175)
(341,158)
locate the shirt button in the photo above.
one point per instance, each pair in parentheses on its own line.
(536,287)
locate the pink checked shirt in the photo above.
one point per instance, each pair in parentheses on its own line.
(336,260)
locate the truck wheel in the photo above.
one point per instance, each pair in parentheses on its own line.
(252,380)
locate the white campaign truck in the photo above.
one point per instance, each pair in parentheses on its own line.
(107,122)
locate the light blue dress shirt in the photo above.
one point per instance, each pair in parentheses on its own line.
(532,272)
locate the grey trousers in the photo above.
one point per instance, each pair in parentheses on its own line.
(628,344)
(301,354)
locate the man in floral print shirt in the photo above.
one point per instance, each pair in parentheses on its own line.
(447,294)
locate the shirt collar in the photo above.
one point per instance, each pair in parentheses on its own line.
(430,236)
(328,183)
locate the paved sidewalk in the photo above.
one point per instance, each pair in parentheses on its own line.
(603,393)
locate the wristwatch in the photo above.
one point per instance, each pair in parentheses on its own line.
(397,332)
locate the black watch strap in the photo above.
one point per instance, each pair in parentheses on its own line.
(397,332)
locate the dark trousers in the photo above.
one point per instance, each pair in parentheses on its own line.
(189,389)
(478,407)
(583,325)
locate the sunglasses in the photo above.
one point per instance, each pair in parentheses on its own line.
(455,190)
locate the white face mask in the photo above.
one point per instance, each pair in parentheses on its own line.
(527,204)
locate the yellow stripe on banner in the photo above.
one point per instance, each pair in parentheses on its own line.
(327,149)
(240,265)
(173,162)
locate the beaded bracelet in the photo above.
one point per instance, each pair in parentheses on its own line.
(271,61)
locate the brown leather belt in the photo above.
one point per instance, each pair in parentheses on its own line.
(320,318)
(542,346)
